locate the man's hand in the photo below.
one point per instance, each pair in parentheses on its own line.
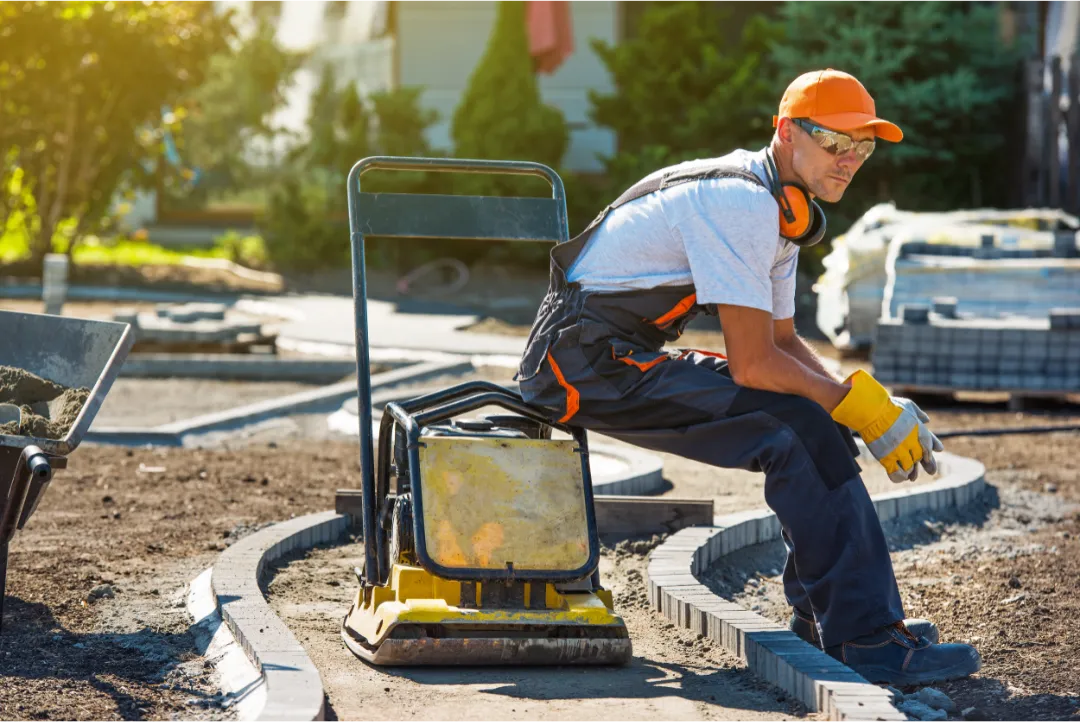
(929,442)
(894,429)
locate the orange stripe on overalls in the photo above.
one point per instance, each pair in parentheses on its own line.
(643,366)
(680,308)
(714,354)
(572,396)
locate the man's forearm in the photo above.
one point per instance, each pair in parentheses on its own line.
(806,355)
(782,372)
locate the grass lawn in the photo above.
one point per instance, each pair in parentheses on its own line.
(121,252)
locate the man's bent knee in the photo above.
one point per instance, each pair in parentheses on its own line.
(828,445)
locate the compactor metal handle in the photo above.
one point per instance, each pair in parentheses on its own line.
(560,234)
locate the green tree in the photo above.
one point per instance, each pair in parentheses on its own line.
(230,112)
(501,115)
(401,122)
(305,224)
(940,70)
(322,147)
(78,81)
(684,88)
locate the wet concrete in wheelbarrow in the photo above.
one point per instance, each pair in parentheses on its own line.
(48,410)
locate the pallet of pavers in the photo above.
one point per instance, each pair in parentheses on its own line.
(933,349)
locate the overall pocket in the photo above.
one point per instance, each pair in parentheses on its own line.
(627,353)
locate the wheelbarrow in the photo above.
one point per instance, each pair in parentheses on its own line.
(71,352)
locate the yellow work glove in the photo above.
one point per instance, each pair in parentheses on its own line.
(894,429)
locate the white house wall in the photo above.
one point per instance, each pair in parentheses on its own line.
(437,46)
(440,43)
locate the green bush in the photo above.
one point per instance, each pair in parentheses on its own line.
(501,116)
(304,227)
(232,110)
(940,71)
(684,88)
(305,224)
(249,250)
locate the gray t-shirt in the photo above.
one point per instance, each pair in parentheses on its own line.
(721,235)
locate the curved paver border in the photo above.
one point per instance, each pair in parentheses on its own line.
(645,474)
(294,688)
(770,650)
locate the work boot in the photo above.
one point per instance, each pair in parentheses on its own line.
(805,628)
(893,655)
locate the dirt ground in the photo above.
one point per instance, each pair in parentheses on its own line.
(674,675)
(102,310)
(159,277)
(1002,574)
(145,403)
(145,522)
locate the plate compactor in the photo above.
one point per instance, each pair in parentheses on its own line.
(480,541)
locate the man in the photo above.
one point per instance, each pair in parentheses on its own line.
(721,236)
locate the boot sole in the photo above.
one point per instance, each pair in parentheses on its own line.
(882,675)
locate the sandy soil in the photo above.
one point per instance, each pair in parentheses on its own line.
(145,403)
(47,410)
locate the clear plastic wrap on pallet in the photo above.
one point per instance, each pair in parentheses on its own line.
(858,272)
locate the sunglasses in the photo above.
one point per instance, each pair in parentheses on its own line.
(835,142)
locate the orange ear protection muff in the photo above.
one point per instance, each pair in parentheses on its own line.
(802,221)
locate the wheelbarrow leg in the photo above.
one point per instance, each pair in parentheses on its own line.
(3,580)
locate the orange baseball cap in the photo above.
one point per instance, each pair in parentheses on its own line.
(835,100)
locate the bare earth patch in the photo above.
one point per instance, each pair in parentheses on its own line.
(675,674)
(1002,574)
(144,523)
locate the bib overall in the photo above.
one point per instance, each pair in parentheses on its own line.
(597,360)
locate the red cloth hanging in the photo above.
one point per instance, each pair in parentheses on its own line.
(551,39)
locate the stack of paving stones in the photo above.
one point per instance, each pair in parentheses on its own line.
(997,275)
(1064,246)
(190,326)
(934,347)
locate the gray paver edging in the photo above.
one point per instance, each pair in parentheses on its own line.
(294,688)
(172,434)
(644,475)
(241,367)
(770,650)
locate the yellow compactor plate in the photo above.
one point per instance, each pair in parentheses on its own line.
(488,502)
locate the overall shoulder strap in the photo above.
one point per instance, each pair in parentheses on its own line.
(651,185)
(565,253)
